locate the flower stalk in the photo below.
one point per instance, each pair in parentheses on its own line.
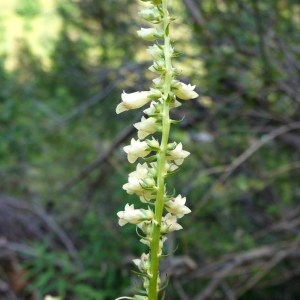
(161,158)
(159,203)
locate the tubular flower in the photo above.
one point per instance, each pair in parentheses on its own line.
(185,91)
(177,154)
(146,127)
(176,206)
(132,101)
(141,183)
(134,216)
(136,149)
(137,186)
(169,224)
(141,171)
(134,186)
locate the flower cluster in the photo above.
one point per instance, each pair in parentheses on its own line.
(161,158)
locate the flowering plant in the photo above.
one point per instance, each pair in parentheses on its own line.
(161,157)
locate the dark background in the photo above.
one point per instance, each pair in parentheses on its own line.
(62,166)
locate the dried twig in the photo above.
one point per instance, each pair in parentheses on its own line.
(254,147)
(38,212)
(218,271)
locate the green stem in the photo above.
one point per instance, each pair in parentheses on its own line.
(161,162)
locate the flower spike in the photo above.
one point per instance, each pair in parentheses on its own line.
(162,158)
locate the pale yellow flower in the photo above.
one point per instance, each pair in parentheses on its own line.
(156,52)
(134,216)
(185,91)
(136,149)
(149,34)
(132,101)
(177,154)
(138,180)
(169,224)
(176,206)
(145,127)
(151,14)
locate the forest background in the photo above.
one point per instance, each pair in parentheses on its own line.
(63,66)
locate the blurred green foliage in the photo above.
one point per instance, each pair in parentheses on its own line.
(58,118)
(28,8)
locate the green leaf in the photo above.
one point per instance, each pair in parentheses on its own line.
(167,30)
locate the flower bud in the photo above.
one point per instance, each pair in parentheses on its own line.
(158,66)
(146,227)
(171,146)
(156,51)
(153,169)
(147,196)
(155,94)
(153,144)
(148,183)
(151,14)
(154,109)
(158,82)
(142,263)
(150,34)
